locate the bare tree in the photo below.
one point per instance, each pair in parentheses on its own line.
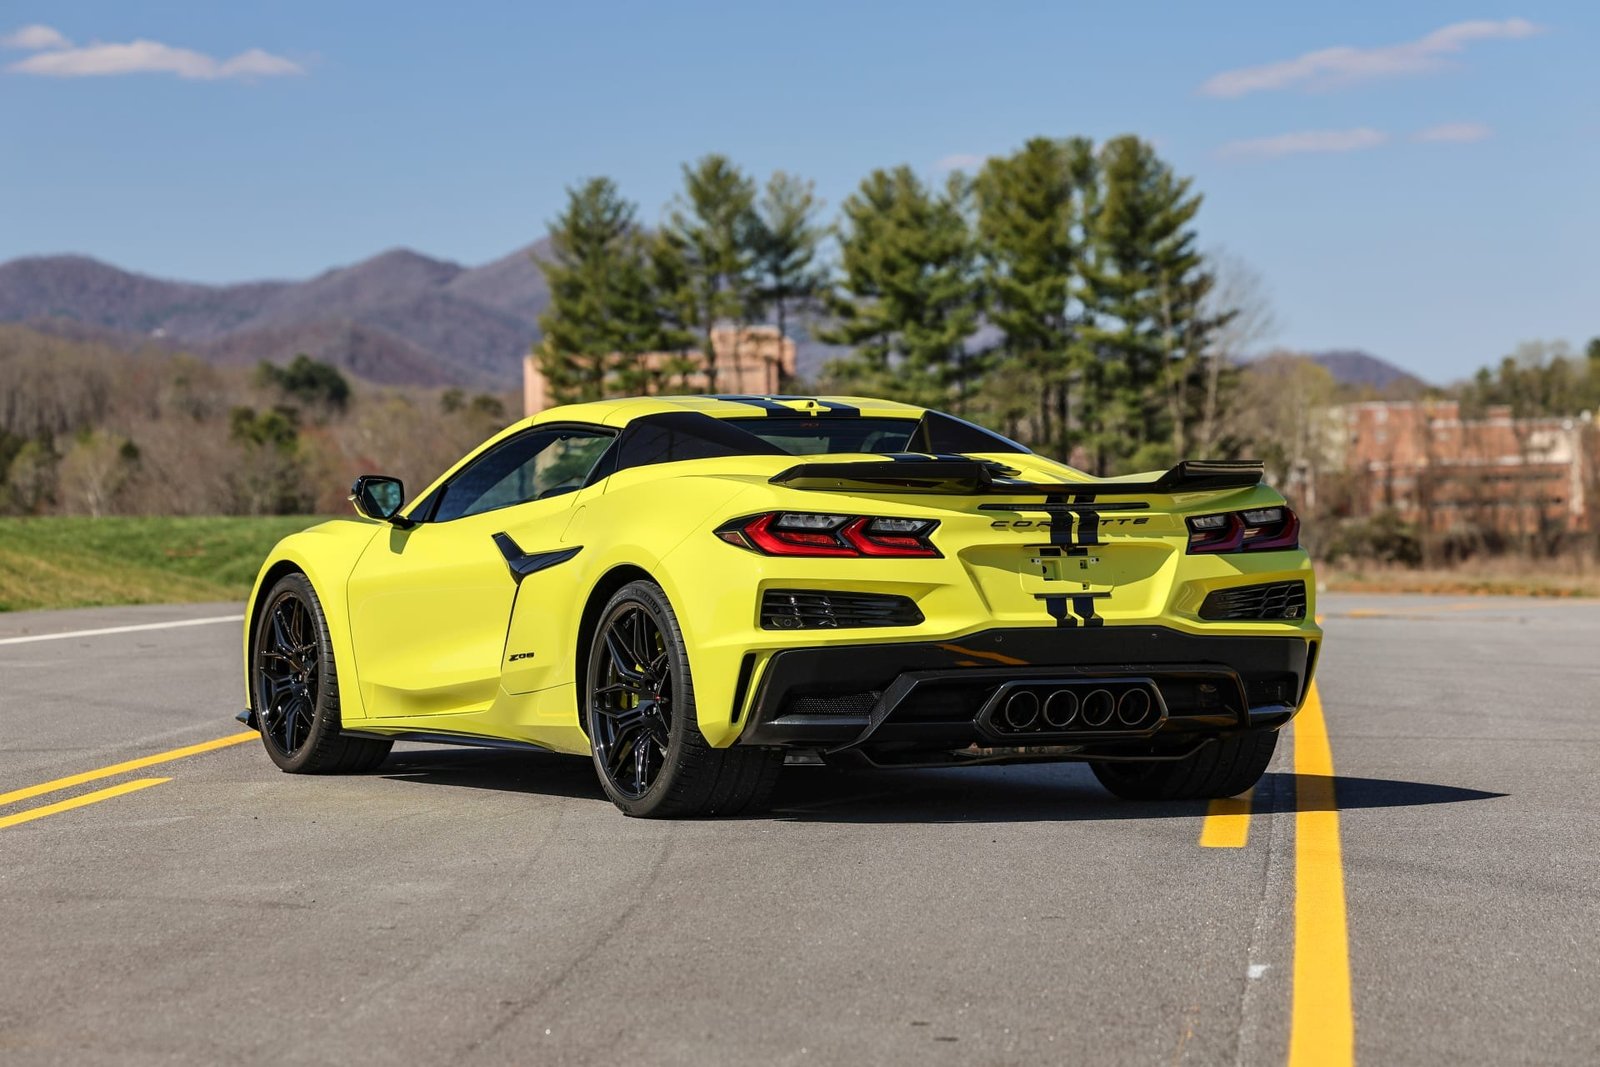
(1238,297)
(1282,411)
(94,472)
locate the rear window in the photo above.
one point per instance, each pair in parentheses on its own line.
(675,436)
(817,437)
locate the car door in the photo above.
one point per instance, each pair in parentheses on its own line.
(430,604)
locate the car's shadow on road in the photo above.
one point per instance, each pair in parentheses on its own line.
(488,768)
(1062,793)
(1024,793)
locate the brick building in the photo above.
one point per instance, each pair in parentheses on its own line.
(1497,473)
(750,359)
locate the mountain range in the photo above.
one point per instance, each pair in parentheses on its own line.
(398,318)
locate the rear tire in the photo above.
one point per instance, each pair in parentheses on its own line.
(639,712)
(1225,768)
(294,687)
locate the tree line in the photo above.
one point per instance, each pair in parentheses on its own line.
(87,428)
(1057,293)
(1539,378)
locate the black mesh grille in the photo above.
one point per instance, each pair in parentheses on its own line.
(1277,600)
(806,609)
(838,704)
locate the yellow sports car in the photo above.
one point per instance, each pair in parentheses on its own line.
(693,590)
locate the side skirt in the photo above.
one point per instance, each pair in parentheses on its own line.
(430,737)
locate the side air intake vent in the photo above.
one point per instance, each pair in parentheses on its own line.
(1277,600)
(809,609)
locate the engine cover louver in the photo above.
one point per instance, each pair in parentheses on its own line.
(1274,601)
(809,609)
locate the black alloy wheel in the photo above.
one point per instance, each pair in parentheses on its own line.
(632,702)
(287,662)
(644,731)
(295,687)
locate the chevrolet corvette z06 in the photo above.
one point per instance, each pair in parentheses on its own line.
(690,590)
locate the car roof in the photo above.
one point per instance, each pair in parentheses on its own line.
(621,411)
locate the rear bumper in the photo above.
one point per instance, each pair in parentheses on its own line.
(947,701)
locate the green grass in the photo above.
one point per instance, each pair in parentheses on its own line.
(70,562)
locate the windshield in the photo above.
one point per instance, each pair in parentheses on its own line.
(815,437)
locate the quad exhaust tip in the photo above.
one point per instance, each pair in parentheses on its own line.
(1098,707)
(1133,707)
(1060,709)
(1021,710)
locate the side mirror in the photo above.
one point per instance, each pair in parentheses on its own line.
(378,496)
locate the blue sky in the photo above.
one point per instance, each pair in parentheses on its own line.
(1427,191)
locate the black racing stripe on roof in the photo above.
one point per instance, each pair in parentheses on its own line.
(833,407)
(773,405)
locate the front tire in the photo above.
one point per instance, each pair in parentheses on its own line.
(639,712)
(295,688)
(1225,768)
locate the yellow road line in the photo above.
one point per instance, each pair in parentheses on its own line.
(78,802)
(123,768)
(1321,1024)
(1227,823)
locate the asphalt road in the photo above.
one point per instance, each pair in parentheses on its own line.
(480,907)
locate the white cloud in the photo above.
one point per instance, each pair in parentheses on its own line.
(959,161)
(55,57)
(1330,68)
(1453,133)
(1289,144)
(255,63)
(35,38)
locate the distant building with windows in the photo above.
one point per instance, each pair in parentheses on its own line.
(1498,473)
(750,359)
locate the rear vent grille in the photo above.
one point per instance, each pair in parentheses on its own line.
(853,704)
(1278,600)
(807,609)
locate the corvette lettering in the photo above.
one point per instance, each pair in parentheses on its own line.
(1024,524)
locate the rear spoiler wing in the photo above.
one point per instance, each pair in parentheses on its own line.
(963,477)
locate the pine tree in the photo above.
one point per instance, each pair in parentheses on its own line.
(713,225)
(675,310)
(785,242)
(1032,207)
(909,295)
(1591,393)
(602,308)
(1145,288)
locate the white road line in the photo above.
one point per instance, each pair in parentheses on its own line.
(120,629)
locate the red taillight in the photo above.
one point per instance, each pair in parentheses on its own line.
(760,535)
(1254,530)
(788,533)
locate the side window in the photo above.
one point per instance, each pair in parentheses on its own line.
(530,466)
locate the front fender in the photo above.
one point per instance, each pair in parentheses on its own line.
(326,554)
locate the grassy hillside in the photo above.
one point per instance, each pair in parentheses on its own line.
(68,562)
